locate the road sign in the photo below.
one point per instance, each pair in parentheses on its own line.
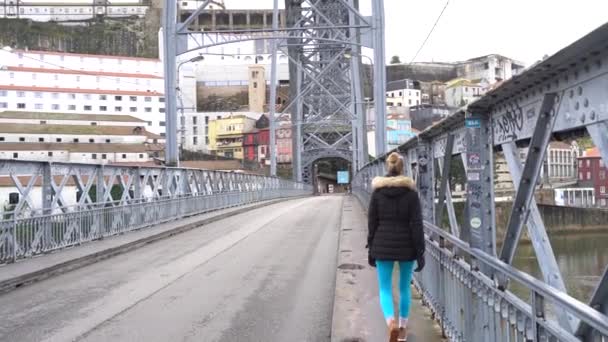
(343,177)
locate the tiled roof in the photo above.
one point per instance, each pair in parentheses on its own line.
(74,129)
(80,90)
(81,72)
(67,116)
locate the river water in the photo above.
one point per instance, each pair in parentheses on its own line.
(582,259)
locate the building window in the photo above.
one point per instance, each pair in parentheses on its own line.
(50,154)
(194,140)
(40,139)
(588,175)
(255,85)
(15,155)
(93,155)
(3,93)
(194,120)
(72,96)
(56,77)
(148,110)
(20,94)
(38,95)
(118,98)
(602,174)
(206,120)
(580,163)
(55,106)
(104,156)
(141,156)
(88,108)
(602,189)
(588,163)
(21,139)
(92,141)
(118,109)
(87,96)
(161,110)
(58,140)
(124,156)
(3,105)
(93,123)
(103,108)
(71,107)
(107,141)
(148,99)
(103,97)
(43,122)
(117,80)
(38,106)
(133,98)
(161,99)
(161,124)
(33,76)
(149,123)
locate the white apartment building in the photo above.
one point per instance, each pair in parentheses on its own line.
(81,138)
(460,92)
(71,10)
(401,93)
(88,84)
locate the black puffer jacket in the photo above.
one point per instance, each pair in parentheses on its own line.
(395,220)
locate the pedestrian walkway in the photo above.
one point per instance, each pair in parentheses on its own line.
(40,267)
(357,315)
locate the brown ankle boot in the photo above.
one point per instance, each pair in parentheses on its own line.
(393,331)
(402,335)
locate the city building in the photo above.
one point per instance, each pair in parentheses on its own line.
(592,172)
(284,142)
(257,88)
(492,68)
(399,129)
(226,135)
(402,94)
(460,92)
(80,138)
(72,11)
(424,116)
(257,142)
(196,128)
(431,93)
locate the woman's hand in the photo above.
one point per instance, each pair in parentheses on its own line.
(420,261)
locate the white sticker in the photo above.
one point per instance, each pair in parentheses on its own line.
(475,222)
(473,176)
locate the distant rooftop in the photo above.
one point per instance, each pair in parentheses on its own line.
(67,116)
(82,147)
(75,129)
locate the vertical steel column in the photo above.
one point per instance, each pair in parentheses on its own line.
(425,180)
(169,56)
(525,191)
(47,202)
(479,219)
(273,92)
(359,128)
(297,127)
(379,76)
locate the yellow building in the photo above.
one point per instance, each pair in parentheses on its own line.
(226,135)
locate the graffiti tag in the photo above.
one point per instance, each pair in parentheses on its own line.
(509,125)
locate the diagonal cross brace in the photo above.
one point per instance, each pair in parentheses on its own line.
(525,190)
(445,176)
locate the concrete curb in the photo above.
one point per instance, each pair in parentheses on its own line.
(66,266)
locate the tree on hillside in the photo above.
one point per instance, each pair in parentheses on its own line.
(395,60)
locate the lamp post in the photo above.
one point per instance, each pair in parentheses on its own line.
(181,102)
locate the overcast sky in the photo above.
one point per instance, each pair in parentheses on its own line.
(521,29)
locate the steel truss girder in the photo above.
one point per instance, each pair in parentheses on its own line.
(527,185)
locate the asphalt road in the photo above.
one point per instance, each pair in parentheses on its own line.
(266,275)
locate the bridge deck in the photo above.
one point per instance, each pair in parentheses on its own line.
(267,274)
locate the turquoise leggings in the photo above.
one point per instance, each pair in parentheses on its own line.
(385,283)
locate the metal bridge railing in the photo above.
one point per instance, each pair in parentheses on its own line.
(27,229)
(466,281)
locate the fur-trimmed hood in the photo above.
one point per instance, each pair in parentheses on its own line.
(393,182)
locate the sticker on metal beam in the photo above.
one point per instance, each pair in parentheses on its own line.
(472,123)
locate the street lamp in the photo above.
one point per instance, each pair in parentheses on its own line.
(181,101)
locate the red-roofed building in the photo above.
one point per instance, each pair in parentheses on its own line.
(592,172)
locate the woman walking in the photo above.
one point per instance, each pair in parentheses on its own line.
(395,236)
